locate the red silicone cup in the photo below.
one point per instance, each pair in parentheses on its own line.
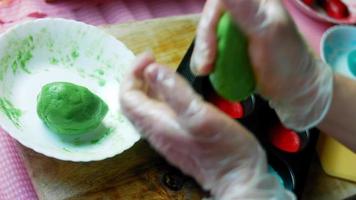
(286,139)
(233,109)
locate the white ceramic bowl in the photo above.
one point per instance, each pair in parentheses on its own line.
(48,50)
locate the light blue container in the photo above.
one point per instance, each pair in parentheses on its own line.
(338,49)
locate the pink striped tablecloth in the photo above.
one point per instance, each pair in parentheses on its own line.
(15,183)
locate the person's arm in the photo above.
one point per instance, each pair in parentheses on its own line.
(340,121)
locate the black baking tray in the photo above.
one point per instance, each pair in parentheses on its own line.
(291,167)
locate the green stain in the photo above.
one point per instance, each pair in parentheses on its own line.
(110,130)
(12,113)
(54,61)
(50,45)
(95,141)
(74,54)
(65,149)
(101,82)
(120,118)
(44,38)
(17,57)
(98,76)
(69,58)
(100,72)
(81,72)
(24,55)
(107,132)
(77,141)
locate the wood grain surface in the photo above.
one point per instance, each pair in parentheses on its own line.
(320,186)
(140,173)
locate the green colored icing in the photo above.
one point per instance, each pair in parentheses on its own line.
(70,109)
(18,55)
(12,113)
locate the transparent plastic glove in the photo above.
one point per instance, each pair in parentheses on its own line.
(297,85)
(194,136)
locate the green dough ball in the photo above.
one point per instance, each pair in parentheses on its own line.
(232,77)
(70,109)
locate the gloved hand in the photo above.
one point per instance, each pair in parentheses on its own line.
(194,136)
(297,85)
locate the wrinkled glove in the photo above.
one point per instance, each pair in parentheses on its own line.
(297,85)
(194,136)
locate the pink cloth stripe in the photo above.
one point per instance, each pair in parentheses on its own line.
(116,12)
(164,8)
(192,6)
(14,180)
(139,9)
(90,14)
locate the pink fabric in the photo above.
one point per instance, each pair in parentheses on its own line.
(15,183)
(312,30)
(94,11)
(14,180)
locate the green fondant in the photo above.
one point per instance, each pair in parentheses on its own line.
(232,77)
(70,109)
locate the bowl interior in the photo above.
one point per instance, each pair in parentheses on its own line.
(48,50)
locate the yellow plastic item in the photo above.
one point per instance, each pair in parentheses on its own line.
(336,159)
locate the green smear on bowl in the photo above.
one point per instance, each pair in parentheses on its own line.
(18,55)
(98,75)
(75,54)
(12,113)
(70,109)
(54,61)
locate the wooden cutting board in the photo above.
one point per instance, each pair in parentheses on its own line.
(138,173)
